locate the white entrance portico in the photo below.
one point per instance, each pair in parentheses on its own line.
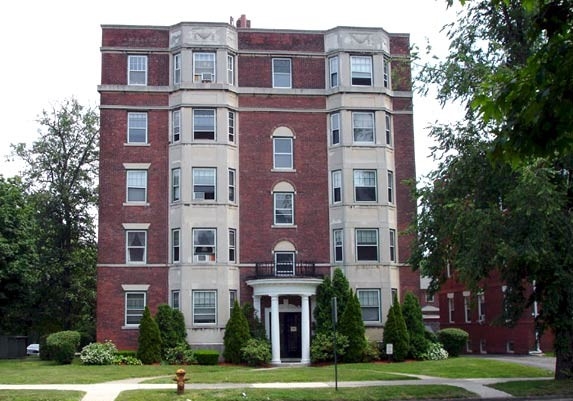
(274,288)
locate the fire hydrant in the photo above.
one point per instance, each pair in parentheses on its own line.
(180,379)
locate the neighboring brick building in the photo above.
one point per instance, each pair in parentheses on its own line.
(246,164)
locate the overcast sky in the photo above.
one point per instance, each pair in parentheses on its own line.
(51,49)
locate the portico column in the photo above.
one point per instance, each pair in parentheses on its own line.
(257,306)
(305,321)
(275,330)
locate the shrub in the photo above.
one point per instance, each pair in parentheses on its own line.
(171,325)
(62,346)
(149,340)
(256,352)
(207,357)
(99,353)
(414,320)
(180,355)
(352,326)
(396,333)
(237,334)
(322,347)
(371,352)
(453,340)
(435,352)
(126,360)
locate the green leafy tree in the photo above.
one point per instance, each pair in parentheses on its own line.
(395,333)
(414,320)
(341,290)
(237,334)
(501,197)
(171,325)
(60,173)
(256,327)
(351,325)
(323,309)
(149,340)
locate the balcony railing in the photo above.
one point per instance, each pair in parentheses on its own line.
(285,270)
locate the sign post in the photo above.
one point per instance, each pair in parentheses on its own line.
(334,321)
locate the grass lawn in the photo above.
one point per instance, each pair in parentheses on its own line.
(40,395)
(536,387)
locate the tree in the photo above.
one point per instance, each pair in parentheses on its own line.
(414,321)
(256,327)
(337,287)
(341,290)
(171,325)
(149,340)
(61,168)
(351,325)
(237,334)
(501,197)
(395,333)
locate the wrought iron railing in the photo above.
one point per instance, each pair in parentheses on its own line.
(285,270)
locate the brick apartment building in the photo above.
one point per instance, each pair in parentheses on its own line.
(242,163)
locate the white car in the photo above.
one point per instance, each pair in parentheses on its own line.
(33,349)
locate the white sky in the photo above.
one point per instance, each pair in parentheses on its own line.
(51,49)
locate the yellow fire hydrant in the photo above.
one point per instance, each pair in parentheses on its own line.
(180,379)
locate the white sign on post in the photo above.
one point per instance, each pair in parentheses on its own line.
(389,349)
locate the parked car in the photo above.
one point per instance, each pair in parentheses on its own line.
(33,349)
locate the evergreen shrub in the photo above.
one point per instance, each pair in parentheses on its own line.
(256,352)
(237,333)
(453,340)
(207,357)
(322,347)
(62,346)
(149,340)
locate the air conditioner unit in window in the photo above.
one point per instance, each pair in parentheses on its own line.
(202,258)
(206,77)
(199,195)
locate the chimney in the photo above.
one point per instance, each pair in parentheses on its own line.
(243,22)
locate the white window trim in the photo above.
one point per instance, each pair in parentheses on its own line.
(335,246)
(195,131)
(335,125)
(231,129)
(175,174)
(125,314)
(230,69)
(177,69)
(333,62)
(291,194)
(282,73)
(198,76)
(391,193)
(173,231)
(146,141)
(175,294)
(379,306)
(352,71)
(232,187)
(392,244)
(233,246)
(354,177)
(193,292)
(128,186)
(336,181)
(373,123)
(205,257)
(176,126)
(129,70)
(127,247)
(276,153)
(284,273)
(198,198)
(356,245)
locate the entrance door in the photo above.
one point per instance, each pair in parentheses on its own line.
(290,335)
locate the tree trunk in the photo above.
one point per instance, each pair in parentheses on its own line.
(564,352)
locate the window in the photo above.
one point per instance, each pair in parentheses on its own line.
(232,298)
(363,127)
(282,151)
(204,67)
(204,124)
(467,309)
(394,295)
(136,127)
(232,245)
(231,185)
(429,297)
(204,307)
(365,185)
(284,263)
(177,69)
(335,128)
(175,245)
(134,306)
(392,245)
(361,70)
(333,71)
(175,299)
(366,244)
(481,306)
(337,239)
(136,246)
(451,308)
(388,122)
(336,186)
(176,126)
(204,182)
(230,69)
(370,304)
(231,122)
(284,208)
(204,244)
(281,73)
(386,73)
(137,70)
(175,185)
(136,186)
(390,186)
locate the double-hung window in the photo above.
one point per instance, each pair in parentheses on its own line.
(363,127)
(390,186)
(451,308)
(338,241)
(176,126)
(282,77)
(481,306)
(175,245)
(204,307)
(333,71)
(177,69)
(365,186)
(137,70)
(283,153)
(230,69)
(232,245)
(284,208)
(231,127)
(204,67)
(175,299)
(392,245)
(367,244)
(386,73)
(136,246)
(232,185)
(361,70)
(467,308)
(284,263)
(136,127)
(134,307)
(204,184)
(335,128)
(175,185)
(136,186)
(204,244)
(204,124)
(388,121)
(336,186)
(369,304)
